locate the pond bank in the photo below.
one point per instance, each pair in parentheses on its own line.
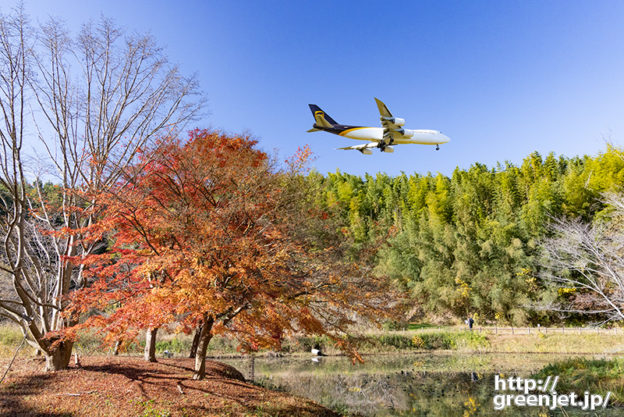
(131,387)
(437,339)
(429,383)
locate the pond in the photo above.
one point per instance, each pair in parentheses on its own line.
(423,384)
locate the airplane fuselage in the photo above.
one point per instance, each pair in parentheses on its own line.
(401,136)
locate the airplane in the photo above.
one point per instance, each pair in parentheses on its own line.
(392,133)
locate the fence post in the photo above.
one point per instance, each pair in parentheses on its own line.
(512,331)
(529,330)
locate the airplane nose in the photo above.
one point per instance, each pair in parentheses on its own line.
(446,139)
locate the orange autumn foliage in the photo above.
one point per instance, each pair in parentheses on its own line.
(208,229)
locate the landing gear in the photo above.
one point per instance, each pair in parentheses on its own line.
(386,142)
(437,147)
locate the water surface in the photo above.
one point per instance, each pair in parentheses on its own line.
(423,384)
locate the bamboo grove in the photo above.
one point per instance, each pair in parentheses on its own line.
(469,244)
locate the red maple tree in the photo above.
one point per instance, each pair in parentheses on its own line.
(207,233)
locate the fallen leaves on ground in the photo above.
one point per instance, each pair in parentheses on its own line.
(124,386)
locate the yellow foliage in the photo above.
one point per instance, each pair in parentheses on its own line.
(563,291)
(464,288)
(471,407)
(418,343)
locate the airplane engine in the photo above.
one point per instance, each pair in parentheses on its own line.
(388,149)
(366,151)
(398,121)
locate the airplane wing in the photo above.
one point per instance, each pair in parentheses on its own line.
(360,147)
(390,123)
(383,109)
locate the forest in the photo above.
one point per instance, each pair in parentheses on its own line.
(471,243)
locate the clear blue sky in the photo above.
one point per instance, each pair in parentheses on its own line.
(501,78)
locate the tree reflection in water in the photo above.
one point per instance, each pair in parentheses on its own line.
(452,385)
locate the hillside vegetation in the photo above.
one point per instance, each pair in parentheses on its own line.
(469,243)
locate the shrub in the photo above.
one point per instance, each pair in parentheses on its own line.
(398,341)
(471,340)
(418,342)
(174,345)
(395,325)
(449,340)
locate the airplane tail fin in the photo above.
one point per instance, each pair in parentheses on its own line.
(321,118)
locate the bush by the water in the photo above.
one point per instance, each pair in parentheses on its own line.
(449,340)
(598,376)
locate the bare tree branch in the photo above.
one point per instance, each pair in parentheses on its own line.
(92,101)
(585,261)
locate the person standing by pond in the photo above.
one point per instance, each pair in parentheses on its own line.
(470,322)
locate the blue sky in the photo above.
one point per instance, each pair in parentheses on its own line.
(501,78)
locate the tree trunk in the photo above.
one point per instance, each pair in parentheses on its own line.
(204,340)
(116,347)
(59,358)
(150,345)
(195,342)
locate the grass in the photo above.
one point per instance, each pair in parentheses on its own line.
(598,376)
(395,341)
(459,339)
(420,326)
(10,337)
(560,343)
(424,337)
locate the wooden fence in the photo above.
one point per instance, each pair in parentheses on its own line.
(546,330)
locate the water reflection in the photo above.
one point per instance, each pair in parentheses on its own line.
(407,385)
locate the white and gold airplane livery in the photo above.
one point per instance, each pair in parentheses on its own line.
(391,133)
